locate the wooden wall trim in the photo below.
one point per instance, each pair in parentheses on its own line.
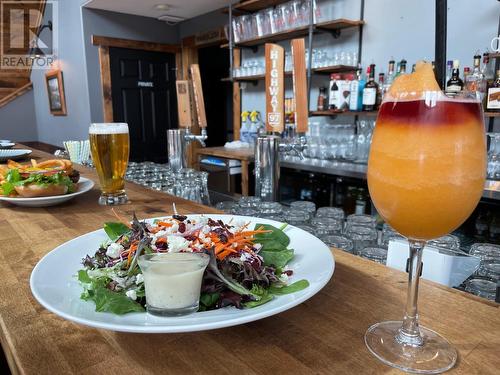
(104,41)
(107,97)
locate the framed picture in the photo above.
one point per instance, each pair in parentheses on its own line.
(55,91)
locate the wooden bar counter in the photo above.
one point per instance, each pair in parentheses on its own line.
(324,335)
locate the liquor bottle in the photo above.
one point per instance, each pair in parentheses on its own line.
(361,87)
(475,81)
(354,92)
(381,89)
(370,90)
(454,84)
(402,63)
(321,99)
(493,96)
(487,69)
(413,67)
(344,84)
(449,68)
(333,97)
(466,74)
(390,74)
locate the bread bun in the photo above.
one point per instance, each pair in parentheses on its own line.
(33,190)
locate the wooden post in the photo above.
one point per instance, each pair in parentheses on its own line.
(236,98)
(275,88)
(300,85)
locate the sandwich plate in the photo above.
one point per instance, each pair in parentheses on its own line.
(53,283)
(83,185)
(6,145)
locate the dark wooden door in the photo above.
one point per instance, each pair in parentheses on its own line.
(143,91)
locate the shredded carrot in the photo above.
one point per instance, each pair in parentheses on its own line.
(164,224)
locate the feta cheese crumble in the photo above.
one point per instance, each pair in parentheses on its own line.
(131,294)
(114,250)
(177,244)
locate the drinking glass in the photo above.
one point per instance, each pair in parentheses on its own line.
(377,254)
(339,242)
(109,144)
(426,172)
(361,236)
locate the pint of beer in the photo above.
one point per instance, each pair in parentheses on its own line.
(109,143)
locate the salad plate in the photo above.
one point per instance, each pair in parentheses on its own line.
(83,185)
(13,154)
(54,283)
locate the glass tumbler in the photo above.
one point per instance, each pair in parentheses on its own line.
(482,288)
(362,237)
(325,226)
(333,212)
(376,254)
(339,242)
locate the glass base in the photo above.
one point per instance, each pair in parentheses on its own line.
(172,312)
(112,199)
(435,356)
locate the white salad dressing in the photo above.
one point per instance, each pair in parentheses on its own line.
(173,280)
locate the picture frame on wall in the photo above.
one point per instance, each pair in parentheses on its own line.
(55,92)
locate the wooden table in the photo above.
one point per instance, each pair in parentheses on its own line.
(245,155)
(324,335)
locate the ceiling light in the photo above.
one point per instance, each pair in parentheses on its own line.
(169,19)
(161,7)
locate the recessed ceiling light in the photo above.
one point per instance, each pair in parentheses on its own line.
(161,7)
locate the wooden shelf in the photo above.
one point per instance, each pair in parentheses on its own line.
(491,114)
(323,70)
(343,113)
(338,24)
(255,5)
(335,69)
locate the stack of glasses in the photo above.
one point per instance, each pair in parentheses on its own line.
(358,234)
(187,183)
(78,151)
(484,282)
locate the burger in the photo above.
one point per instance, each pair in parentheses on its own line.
(49,178)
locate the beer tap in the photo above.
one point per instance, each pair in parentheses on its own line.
(270,146)
(179,139)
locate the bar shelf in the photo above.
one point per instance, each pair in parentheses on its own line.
(338,24)
(343,113)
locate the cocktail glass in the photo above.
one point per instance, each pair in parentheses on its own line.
(426,173)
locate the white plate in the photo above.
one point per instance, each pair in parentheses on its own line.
(54,285)
(6,145)
(15,154)
(84,185)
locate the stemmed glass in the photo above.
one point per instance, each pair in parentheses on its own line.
(426,173)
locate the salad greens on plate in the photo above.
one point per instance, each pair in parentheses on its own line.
(247,268)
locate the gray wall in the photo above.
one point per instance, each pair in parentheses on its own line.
(74,126)
(118,25)
(17,119)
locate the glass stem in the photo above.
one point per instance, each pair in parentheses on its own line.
(409,333)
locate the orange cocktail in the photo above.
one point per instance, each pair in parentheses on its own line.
(426,173)
(427,163)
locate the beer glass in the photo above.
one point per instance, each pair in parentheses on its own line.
(426,173)
(109,144)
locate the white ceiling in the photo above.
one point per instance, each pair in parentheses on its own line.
(180,8)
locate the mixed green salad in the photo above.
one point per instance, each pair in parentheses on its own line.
(247,268)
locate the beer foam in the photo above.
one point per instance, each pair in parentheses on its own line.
(109,128)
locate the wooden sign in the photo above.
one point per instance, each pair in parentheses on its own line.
(198,95)
(300,85)
(275,88)
(209,37)
(184,104)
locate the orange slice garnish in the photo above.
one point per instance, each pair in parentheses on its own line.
(415,84)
